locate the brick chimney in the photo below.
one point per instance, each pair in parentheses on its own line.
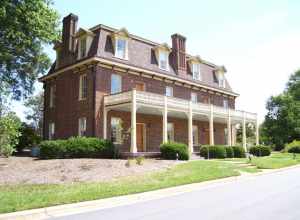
(68,37)
(178,56)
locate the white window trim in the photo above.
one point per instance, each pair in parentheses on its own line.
(118,76)
(221,80)
(194,94)
(167,61)
(51,130)
(80,127)
(199,73)
(227,103)
(81,86)
(171,89)
(172,136)
(52,96)
(120,139)
(126,48)
(88,43)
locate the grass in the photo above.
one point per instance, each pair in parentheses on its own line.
(21,197)
(275,161)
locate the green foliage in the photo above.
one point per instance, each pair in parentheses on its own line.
(282,122)
(77,147)
(217,151)
(260,151)
(229,152)
(26,26)
(9,134)
(293,147)
(28,137)
(139,160)
(35,104)
(250,133)
(170,149)
(238,152)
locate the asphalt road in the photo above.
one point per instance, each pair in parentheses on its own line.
(272,196)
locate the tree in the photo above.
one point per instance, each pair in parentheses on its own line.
(250,133)
(25,27)
(35,104)
(28,137)
(9,133)
(282,122)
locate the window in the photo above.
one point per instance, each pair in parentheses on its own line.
(221,81)
(116,84)
(196,71)
(195,135)
(225,103)
(170,132)
(82,126)
(83,87)
(194,98)
(163,60)
(52,96)
(169,91)
(116,130)
(121,48)
(51,131)
(82,51)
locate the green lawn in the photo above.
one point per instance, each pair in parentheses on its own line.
(275,161)
(22,197)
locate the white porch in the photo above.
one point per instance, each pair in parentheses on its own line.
(155,104)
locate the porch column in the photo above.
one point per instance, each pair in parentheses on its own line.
(229,141)
(211,126)
(244,132)
(165,120)
(190,128)
(105,123)
(257,131)
(233,133)
(133,148)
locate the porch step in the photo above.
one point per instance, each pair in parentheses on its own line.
(196,156)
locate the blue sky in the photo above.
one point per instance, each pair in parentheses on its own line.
(257,41)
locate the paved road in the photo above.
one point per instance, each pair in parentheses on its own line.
(274,196)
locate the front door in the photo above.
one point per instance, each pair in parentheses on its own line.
(140,139)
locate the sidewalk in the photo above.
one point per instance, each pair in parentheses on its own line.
(81,207)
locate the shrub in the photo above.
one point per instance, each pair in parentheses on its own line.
(77,147)
(139,160)
(260,151)
(238,152)
(293,147)
(169,151)
(28,137)
(213,151)
(229,152)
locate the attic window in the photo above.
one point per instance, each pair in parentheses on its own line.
(82,49)
(163,60)
(121,48)
(196,71)
(221,80)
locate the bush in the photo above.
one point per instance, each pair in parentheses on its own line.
(169,151)
(260,151)
(293,147)
(28,137)
(238,152)
(213,151)
(77,147)
(9,133)
(229,152)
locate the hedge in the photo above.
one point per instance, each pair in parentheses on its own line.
(170,149)
(238,152)
(260,151)
(216,151)
(229,152)
(293,147)
(77,147)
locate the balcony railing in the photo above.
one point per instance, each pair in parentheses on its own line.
(176,104)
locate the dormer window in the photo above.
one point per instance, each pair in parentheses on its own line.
(162,56)
(221,81)
(120,41)
(85,39)
(163,60)
(121,48)
(82,48)
(221,77)
(196,71)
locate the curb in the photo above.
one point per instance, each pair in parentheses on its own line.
(81,207)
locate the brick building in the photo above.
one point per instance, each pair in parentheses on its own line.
(112,84)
